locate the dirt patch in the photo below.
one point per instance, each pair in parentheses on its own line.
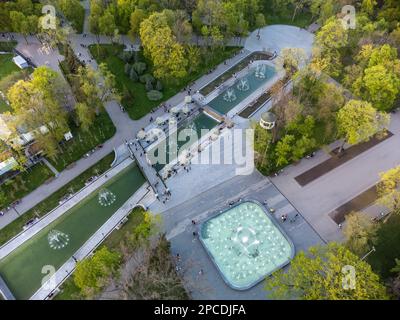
(337,160)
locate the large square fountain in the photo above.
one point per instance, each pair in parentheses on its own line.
(246,244)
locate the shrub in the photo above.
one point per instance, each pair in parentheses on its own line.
(140,67)
(149,86)
(126,56)
(154,95)
(147,78)
(128,69)
(159,85)
(133,75)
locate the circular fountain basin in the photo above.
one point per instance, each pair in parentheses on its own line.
(245,244)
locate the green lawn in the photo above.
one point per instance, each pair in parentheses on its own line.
(102,130)
(387,247)
(69,291)
(7,46)
(25,182)
(140,105)
(7,65)
(52,201)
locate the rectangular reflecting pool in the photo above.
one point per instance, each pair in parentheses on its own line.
(245,244)
(188,133)
(55,244)
(242,88)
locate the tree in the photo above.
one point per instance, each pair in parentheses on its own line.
(96,11)
(330,40)
(107,89)
(260,22)
(154,278)
(319,274)
(39,102)
(194,56)
(358,121)
(24,24)
(92,274)
(85,115)
(107,24)
(359,232)
(291,59)
(3,199)
(368,6)
(73,11)
(376,76)
(262,143)
(388,189)
(298,5)
(169,59)
(284,149)
(180,25)
(137,17)
(382,88)
(89,83)
(395,282)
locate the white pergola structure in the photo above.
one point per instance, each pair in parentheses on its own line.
(268,120)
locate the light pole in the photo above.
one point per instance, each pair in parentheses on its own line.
(368,253)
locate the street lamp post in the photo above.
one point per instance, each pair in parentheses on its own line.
(368,253)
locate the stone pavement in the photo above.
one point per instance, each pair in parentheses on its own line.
(277,37)
(202,206)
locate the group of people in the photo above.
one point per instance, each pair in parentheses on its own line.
(284,217)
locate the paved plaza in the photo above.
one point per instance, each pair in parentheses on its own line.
(318,198)
(179,229)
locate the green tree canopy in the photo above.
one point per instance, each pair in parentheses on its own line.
(319,274)
(358,121)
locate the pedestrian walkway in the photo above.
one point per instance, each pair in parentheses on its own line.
(51,167)
(152,176)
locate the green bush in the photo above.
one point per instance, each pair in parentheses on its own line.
(133,75)
(140,67)
(126,56)
(147,78)
(128,69)
(159,85)
(149,86)
(154,95)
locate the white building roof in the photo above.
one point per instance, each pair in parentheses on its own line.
(20,62)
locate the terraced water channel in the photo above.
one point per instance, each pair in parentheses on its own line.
(56,243)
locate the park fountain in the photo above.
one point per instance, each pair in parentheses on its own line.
(230,95)
(243,84)
(57,239)
(245,244)
(260,72)
(106,198)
